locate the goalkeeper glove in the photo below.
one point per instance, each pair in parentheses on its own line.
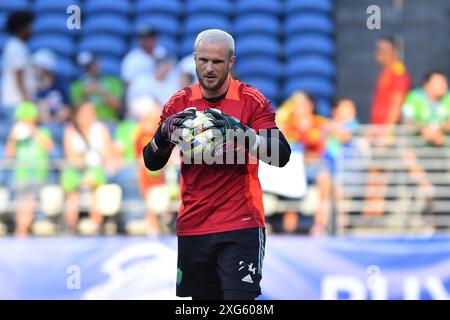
(164,136)
(225,123)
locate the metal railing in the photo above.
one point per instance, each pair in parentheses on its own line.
(391,181)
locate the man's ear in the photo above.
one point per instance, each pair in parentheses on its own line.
(232,60)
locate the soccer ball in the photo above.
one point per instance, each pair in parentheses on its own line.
(197,136)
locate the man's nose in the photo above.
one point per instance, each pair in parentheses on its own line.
(209,66)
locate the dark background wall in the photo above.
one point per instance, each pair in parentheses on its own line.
(422,26)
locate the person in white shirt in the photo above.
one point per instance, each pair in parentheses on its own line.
(142,59)
(160,85)
(18,84)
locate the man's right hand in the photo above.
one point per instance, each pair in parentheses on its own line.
(165,131)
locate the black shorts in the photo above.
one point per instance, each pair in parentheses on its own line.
(229,260)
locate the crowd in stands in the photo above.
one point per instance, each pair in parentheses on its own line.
(99,124)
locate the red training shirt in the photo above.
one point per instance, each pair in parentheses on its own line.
(222,197)
(392,79)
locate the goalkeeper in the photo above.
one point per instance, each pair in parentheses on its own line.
(220,224)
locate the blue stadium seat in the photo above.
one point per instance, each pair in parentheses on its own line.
(12,5)
(66,68)
(267,86)
(253,67)
(307,44)
(59,43)
(310,65)
(163,23)
(103,44)
(109,23)
(170,43)
(3,38)
(258,45)
(321,6)
(57,131)
(323,107)
(199,22)
(257,23)
(172,7)
(187,45)
(59,6)
(254,6)
(110,66)
(300,23)
(219,7)
(54,22)
(2,156)
(122,7)
(5,126)
(3,18)
(317,86)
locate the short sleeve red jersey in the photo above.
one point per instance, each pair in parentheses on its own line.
(222,197)
(393,79)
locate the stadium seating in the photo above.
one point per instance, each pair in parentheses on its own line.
(170,43)
(66,68)
(249,24)
(310,65)
(51,200)
(8,6)
(309,44)
(171,7)
(163,23)
(110,66)
(53,5)
(103,44)
(266,67)
(268,86)
(3,38)
(318,86)
(107,23)
(199,22)
(310,22)
(123,7)
(255,6)
(281,46)
(251,46)
(52,22)
(320,6)
(187,45)
(219,7)
(59,43)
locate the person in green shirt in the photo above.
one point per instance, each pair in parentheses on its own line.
(428,108)
(29,145)
(105,92)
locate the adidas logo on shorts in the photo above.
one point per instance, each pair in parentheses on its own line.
(247,279)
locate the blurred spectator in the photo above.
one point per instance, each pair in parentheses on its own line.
(186,68)
(51,95)
(18,83)
(392,85)
(29,145)
(104,92)
(87,148)
(148,124)
(429,108)
(340,131)
(142,59)
(298,121)
(160,85)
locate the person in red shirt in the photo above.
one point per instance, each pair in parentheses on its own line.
(392,85)
(221,223)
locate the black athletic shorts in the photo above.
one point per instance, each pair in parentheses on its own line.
(229,260)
